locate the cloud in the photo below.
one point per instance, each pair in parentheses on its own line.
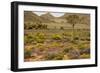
(56,14)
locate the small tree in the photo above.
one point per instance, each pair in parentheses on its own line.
(73,19)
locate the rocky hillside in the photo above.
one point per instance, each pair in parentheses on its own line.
(30,18)
(84,18)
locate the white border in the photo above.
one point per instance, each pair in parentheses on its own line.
(22,64)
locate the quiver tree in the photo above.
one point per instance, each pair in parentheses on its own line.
(73,20)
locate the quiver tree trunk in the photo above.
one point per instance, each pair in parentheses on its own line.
(73,33)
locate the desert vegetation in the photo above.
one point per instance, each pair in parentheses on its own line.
(47,37)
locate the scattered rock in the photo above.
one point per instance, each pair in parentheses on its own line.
(73,54)
(85,51)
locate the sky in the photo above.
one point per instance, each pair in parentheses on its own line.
(56,14)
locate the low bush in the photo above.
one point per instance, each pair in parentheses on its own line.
(28,38)
(56,37)
(55,44)
(59,56)
(76,38)
(73,54)
(83,46)
(27,53)
(50,56)
(39,37)
(84,56)
(62,28)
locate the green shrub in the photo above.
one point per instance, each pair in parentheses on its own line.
(27,53)
(66,50)
(56,37)
(50,56)
(55,44)
(84,56)
(40,47)
(38,40)
(39,37)
(59,56)
(83,46)
(28,39)
(56,56)
(66,34)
